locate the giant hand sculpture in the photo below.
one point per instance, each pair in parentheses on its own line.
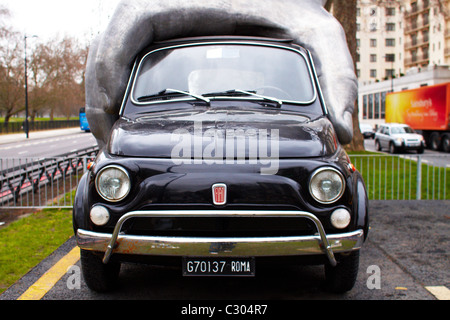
(138,23)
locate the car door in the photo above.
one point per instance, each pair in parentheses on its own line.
(384,139)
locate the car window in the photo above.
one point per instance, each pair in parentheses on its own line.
(400,130)
(220,68)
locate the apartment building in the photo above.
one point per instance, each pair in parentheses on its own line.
(402,44)
(396,35)
(380,39)
(425,32)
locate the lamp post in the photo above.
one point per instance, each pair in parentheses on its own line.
(27,132)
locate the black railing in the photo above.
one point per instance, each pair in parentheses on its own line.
(18,127)
(38,183)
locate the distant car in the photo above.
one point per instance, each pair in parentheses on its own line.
(367,131)
(398,137)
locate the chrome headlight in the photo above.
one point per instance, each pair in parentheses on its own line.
(113,183)
(327,185)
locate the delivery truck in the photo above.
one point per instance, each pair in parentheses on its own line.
(426,110)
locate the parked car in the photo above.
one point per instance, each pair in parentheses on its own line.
(367,131)
(398,137)
(221,162)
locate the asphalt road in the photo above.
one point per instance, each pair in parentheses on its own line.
(432,158)
(407,252)
(45,144)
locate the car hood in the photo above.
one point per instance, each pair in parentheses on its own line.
(407,136)
(223,134)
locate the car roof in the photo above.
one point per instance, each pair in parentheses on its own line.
(288,43)
(395,125)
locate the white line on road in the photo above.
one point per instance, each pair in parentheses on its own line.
(440,292)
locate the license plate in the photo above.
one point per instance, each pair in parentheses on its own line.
(235,267)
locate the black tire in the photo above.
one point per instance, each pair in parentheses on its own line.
(342,278)
(98,276)
(446,143)
(435,141)
(392,148)
(377,145)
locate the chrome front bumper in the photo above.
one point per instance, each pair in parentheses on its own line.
(232,247)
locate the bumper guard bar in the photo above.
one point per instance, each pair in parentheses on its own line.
(200,246)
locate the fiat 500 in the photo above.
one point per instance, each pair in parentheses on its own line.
(223,158)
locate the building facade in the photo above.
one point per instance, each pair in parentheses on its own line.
(402,45)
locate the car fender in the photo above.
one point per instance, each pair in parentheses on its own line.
(360,204)
(81,203)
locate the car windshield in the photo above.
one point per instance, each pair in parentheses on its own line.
(224,70)
(397,130)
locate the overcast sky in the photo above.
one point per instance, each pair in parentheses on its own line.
(56,18)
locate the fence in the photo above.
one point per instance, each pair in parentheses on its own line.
(405,177)
(18,127)
(42,183)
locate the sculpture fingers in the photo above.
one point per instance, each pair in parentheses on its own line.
(138,23)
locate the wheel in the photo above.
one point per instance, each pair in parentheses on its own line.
(421,150)
(392,148)
(435,141)
(98,276)
(377,145)
(342,278)
(446,143)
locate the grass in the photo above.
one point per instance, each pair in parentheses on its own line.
(395,178)
(26,242)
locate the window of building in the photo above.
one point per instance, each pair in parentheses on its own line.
(373,43)
(373,58)
(390,11)
(365,106)
(390,26)
(373,73)
(389,73)
(390,42)
(390,57)
(377,106)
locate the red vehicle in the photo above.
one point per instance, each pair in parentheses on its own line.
(426,109)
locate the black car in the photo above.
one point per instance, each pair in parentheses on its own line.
(223,159)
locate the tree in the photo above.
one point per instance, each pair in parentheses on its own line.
(57,80)
(11,70)
(345,12)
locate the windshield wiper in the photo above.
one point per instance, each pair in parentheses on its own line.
(169,91)
(249,93)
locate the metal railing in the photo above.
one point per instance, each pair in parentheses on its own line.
(405,177)
(43,182)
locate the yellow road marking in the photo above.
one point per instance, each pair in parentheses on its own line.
(48,280)
(440,292)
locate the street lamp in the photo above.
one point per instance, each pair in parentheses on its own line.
(27,132)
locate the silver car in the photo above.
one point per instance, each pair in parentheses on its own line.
(398,137)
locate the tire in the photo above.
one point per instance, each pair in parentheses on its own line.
(392,148)
(98,276)
(377,145)
(342,278)
(445,143)
(435,141)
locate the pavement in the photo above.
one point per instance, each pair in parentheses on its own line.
(35,135)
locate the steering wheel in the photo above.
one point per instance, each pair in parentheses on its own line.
(281,93)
